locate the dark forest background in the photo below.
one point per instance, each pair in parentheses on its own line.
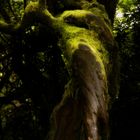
(125,113)
(24,107)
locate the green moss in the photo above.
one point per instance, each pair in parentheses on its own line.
(89,28)
(72,36)
(75,13)
(32,7)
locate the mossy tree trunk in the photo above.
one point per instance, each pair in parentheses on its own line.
(90,56)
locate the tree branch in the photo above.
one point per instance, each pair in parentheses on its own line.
(7,28)
(33,13)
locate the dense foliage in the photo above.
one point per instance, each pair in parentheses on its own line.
(30,67)
(126,109)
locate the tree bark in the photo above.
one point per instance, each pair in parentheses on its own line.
(89,53)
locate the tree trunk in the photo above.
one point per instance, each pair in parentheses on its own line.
(90,55)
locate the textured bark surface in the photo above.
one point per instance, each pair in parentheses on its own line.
(88,47)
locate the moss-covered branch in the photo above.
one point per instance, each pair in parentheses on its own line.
(33,13)
(6,28)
